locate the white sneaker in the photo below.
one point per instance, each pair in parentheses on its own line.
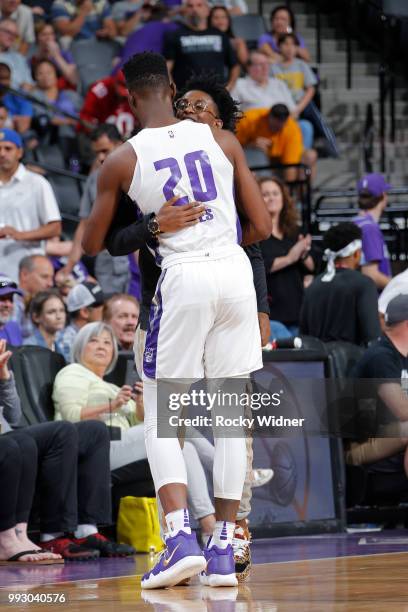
(261,477)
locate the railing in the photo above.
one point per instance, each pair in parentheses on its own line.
(304,185)
(394,219)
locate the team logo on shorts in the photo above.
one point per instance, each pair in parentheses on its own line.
(171,133)
(149,355)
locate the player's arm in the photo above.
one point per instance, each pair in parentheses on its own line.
(248,199)
(126,235)
(114,177)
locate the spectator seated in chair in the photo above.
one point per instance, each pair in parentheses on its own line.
(20,111)
(84,303)
(71,463)
(47,48)
(220,18)
(47,311)
(121,312)
(278,136)
(10,331)
(386,363)
(282,22)
(341,303)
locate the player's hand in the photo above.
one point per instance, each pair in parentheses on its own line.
(264,327)
(4,358)
(122,398)
(172,218)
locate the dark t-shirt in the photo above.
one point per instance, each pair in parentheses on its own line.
(197,51)
(285,287)
(345,308)
(381,361)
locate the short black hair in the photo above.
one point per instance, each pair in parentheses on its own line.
(340,235)
(146,70)
(287,35)
(367,201)
(106,129)
(228,108)
(279,111)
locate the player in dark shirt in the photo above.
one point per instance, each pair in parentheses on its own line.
(341,304)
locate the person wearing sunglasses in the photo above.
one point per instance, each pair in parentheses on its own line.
(202,100)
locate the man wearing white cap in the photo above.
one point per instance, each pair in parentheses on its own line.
(341,303)
(85,304)
(372,201)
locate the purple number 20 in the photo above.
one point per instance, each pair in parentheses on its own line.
(202,193)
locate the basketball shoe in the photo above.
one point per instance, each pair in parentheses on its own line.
(220,568)
(181,559)
(242,551)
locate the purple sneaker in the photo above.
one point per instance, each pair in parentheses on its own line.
(181,559)
(220,570)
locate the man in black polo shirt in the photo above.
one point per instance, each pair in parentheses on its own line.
(386,362)
(341,304)
(195,47)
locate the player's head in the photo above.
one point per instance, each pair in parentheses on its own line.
(147,76)
(205,100)
(344,239)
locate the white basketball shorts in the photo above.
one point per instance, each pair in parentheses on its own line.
(203,319)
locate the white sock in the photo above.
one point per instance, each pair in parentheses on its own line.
(178,520)
(84,530)
(47,537)
(223,534)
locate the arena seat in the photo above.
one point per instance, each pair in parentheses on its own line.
(256,157)
(35,369)
(93,59)
(249,27)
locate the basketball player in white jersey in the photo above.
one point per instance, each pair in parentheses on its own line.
(204,320)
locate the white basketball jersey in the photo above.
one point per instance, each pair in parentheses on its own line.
(185,160)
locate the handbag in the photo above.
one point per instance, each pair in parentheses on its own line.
(138,524)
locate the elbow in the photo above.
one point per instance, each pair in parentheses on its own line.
(263,233)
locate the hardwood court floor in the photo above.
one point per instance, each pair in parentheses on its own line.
(322,572)
(375,583)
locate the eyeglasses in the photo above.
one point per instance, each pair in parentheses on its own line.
(198,106)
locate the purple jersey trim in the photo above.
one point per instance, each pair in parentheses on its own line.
(156,312)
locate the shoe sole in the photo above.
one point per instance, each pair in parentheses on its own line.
(181,570)
(219,580)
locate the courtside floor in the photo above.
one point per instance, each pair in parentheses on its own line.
(358,572)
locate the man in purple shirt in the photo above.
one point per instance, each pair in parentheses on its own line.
(372,201)
(9,330)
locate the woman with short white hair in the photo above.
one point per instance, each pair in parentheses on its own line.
(80,393)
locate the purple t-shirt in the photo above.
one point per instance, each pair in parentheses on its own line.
(11,332)
(149,38)
(374,247)
(269,40)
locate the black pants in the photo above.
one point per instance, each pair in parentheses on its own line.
(73,480)
(18,471)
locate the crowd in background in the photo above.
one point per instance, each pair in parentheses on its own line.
(52,296)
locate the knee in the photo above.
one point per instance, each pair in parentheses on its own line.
(64,433)
(29,449)
(10,451)
(93,430)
